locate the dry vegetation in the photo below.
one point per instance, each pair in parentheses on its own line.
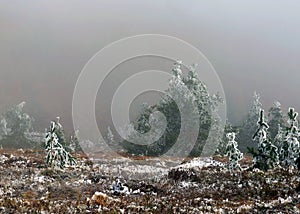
(27,186)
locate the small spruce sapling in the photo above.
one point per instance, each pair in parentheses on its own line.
(233,152)
(266,157)
(109,136)
(278,140)
(290,147)
(74,142)
(57,155)
(59,131)
(275,119)
(221,150)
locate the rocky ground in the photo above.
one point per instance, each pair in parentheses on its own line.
(142,185)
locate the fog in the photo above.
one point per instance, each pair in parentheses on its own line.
(253,45)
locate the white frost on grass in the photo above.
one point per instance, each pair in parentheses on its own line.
(135,169)
(200,163)
(3,158)
(40,179)
(144,169)
(187,184)
(243,208)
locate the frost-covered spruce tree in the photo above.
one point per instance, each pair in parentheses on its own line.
(178,98)
(266,157)
(3,128)
(233,152)
(74,142)
(221,150)
(59,131)
(14,126)
(17,122)
(208,110)
(203,99)
(249,125)
(290,146)
(275,118)
(110,136)
(142,126)
(205,106)
(57,155)
(278,140)
(215,125)
(110,139)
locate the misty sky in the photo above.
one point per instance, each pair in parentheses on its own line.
(253,45)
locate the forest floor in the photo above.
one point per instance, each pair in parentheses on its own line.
(150,185)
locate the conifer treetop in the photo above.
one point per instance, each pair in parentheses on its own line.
(177,72)
(262,126)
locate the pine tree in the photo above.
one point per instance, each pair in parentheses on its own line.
(59,131)
(266,157)
(4,130)
(74,142)
(276,119)
(109,138)
(177,72)
(224,141)
(179,100)
(14,126)
(278,140)
(203,99)
(216,127)
(249,125)
(138,130)
(290,147)
(16,122)
(57,155)
(233,152)
(206,106)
